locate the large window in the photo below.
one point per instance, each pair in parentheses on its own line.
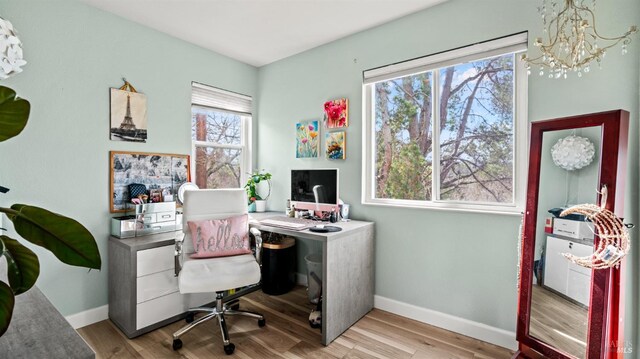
(448,130)
(221,133)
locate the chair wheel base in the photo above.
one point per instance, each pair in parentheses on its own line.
(229,348)
(261,322)
(177,344)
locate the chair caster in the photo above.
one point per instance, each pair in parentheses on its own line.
(177,344)
(190,317)
(262,322)
(235,306)
(229,348)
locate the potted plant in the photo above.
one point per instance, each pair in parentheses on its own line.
(66,238)
(256,202)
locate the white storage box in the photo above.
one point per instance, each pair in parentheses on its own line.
(573,229)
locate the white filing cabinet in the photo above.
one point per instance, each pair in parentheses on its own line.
(143,288)
(563,276)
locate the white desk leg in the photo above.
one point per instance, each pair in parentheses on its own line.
(347,287)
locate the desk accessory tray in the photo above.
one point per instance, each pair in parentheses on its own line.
(150,218)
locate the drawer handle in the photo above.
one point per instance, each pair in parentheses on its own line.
(166,216)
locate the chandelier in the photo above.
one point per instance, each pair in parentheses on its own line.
(573,41)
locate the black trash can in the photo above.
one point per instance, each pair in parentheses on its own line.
(279,266)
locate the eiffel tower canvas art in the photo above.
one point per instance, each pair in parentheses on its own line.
(128,116)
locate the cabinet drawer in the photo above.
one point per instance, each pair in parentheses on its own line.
(159,309)
(166,216)
(155,260)
(555,265)
(156,285)
(149,218)
(157,227)
(580,250)
(579,287)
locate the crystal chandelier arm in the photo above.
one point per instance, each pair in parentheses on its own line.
(572,40)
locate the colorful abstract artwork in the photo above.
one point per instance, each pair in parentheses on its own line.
(336,143)
(307,139)
(336,113)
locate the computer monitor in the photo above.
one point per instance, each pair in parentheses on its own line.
(315,189)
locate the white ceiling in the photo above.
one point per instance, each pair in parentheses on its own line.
(259,32)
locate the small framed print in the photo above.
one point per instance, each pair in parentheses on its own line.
(336,144)
(307,139)
(336,113)
(128,116)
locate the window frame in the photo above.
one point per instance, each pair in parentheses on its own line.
(245,145)
(510,44)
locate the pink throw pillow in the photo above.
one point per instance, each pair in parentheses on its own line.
(220,237)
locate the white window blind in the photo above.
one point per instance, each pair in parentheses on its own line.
(510,44)
(208,96)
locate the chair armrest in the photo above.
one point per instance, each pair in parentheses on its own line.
(177,255)
(258,236)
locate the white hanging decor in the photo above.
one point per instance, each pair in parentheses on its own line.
(11,59)
(573,153)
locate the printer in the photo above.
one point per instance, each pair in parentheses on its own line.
(573,228)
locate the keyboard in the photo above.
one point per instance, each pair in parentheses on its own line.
(296,224)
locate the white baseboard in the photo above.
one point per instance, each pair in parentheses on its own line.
(486,333)
(88,317)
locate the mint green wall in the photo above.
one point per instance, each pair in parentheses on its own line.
(457,263)
(75,53)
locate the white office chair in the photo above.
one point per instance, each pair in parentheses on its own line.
(215,274)
(320,194)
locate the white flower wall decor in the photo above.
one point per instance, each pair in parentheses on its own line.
(11,58)
(573,152)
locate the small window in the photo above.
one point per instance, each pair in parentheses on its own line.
(448,130)
(220,133)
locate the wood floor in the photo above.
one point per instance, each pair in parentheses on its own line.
(287,335)
(559,322)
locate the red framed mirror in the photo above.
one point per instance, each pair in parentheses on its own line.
(564,310)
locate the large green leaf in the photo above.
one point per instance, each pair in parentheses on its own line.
(23,265)
(14,113)
(67,239)
(7,300)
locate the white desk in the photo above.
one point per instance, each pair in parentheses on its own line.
(347,271)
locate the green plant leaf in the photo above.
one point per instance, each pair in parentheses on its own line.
(7,301)
(66,238)
(23,265)
(14,113)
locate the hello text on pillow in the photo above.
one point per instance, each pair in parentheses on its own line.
(220,237)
